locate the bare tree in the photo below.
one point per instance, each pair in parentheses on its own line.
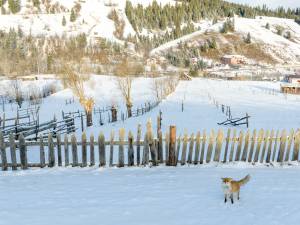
(75,82)
(163,86)
(125,76)
(16,92)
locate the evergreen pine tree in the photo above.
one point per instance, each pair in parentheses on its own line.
(36,3)
(288,35)
(72,16)
(64,22)
(248,39)
(14,6)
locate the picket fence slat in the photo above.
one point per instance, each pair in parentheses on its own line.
(197,150)
(288,150)
(66,150)
(210,146)
(283,139)
(268,159)
(239,147)
(227,145)
(253,141)
(13,151)
(233,141)
(246,146)
(296,146)
(203,147)
(184,148)
(92,150)
(275,153)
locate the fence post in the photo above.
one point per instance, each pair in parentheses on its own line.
(82,125)
(138,147)
(92,150)
(102,153)
(145,159)
(178,148)
(191,149)
(296,146)
(219,143)
(266,140)
(172,146)
(239,147)
(160,147)
(275,147)
(258,147)
(197,150)
(111,151)
(83,150)
(203,147)
(74,150)
(66,148)
(233,141)
(151,144)
(59,159)
(13,151)
(167,147)
(184,148)
(246,146)
(121,147)
(288,150)
(23,152)
(51,151)
(282,146)
(227,145)
(210,146)
(130,150)
(3,124)
(42,152)
(270,147)
(3,152)
(253,141)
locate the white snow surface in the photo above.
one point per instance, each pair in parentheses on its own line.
(144,196)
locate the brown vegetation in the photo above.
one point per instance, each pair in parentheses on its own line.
(75,81)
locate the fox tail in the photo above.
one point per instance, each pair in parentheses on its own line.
(244,180)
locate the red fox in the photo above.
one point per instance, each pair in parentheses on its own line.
(231,187)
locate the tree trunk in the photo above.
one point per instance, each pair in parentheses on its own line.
(129,111)
(89,118)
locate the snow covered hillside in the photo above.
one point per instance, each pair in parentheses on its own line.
(92,19)
(263,31)
(135,196)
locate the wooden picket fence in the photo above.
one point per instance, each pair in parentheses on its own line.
(261,146)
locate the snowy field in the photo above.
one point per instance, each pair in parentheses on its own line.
(142,196)
(188,195)
(267,107)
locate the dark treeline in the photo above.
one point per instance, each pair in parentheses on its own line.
(156,16)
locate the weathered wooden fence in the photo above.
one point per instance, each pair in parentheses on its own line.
(262,146)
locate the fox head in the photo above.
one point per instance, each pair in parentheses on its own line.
(226,180)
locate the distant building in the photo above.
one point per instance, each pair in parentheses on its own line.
(233,60)
(291,84)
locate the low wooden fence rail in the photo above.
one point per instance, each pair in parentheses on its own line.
(261,146)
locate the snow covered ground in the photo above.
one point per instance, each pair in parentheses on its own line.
(267,107)
(142,196)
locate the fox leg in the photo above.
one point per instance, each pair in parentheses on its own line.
(225,198)
(238,197)
(231,197)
